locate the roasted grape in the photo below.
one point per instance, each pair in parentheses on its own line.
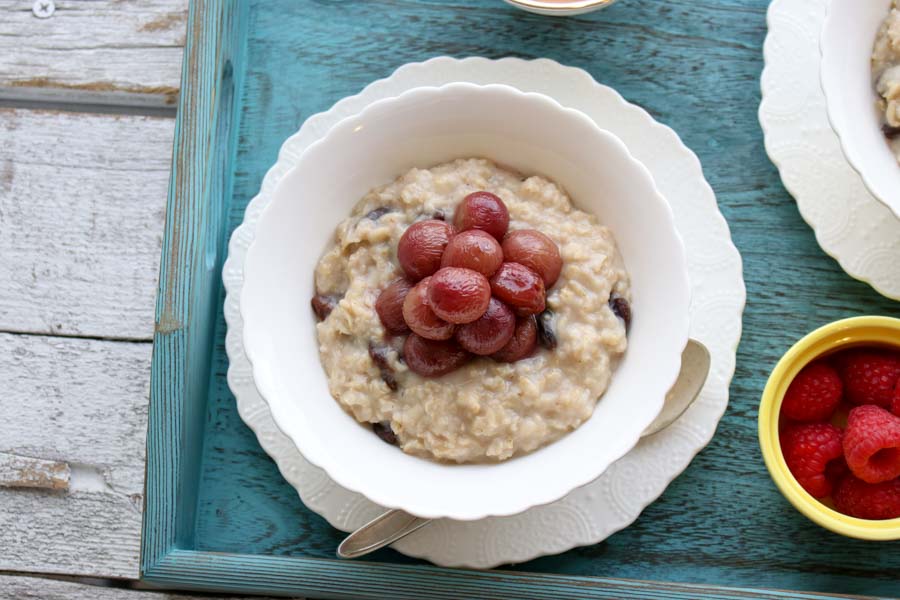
(421,247)
(473,249)
(536,251)
(389,306)
(458,295)
(520,287)
(420,318)
(490,332)
(432,358)
(482,210)
(521,344)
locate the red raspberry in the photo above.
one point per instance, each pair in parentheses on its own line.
(813,394)
(869,375)
(895,403)
(836,471)
(807,450)
(863,500)
(872,444)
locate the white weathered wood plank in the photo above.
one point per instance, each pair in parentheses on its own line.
(38,588)
(82,403)
(93,48)
(82,209)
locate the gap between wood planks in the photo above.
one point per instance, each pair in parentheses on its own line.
(53,587)
(109,103)
(79,336)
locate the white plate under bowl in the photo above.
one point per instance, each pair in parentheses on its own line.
(860,232)
(533,134)
(848,36)
(613,501)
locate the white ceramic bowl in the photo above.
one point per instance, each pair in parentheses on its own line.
(560,8)
(848,37)
(423,127)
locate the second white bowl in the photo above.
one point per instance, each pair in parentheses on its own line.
(423,127)
(848,38)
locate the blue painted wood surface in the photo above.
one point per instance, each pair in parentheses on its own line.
(197,229)
(693,65)
(383,581)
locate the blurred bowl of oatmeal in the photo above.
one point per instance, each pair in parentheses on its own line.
(860,74)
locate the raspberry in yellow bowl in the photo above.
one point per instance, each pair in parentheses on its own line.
(869,331)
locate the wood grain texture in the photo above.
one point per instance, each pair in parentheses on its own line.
(93,51)
(33,588)
(82,403)
(190,274)
(694,66)
(373,581)
(82,203)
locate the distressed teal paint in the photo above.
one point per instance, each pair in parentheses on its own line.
(193,251)
(695,66)
(373,581)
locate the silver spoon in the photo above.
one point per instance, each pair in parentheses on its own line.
(392,525)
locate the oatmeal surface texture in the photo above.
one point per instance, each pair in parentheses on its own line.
(486,411)
(886,72)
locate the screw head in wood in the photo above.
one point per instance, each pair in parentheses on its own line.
(43,9)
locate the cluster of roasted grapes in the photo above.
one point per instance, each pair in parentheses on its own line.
(470,288)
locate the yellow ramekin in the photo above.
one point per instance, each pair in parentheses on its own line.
(857,331)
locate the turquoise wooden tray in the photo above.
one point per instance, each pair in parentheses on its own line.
(219,516)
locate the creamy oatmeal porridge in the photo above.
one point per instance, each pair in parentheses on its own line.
(485,409)
(886,75)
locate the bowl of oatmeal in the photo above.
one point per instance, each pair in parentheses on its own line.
(860,73)
(575,313)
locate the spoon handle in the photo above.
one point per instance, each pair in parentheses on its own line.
(381,531)
(695,361)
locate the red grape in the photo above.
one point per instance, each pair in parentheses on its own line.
(421,247)
(473,249)
(389,306)
(489,333)
(521,344)
(482,210)
(520,287)
(432,358)
(536,251)
(419,316)
(458,295)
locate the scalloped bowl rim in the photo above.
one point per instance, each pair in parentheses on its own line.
(352,478)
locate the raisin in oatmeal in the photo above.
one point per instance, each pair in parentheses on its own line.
(551,337)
